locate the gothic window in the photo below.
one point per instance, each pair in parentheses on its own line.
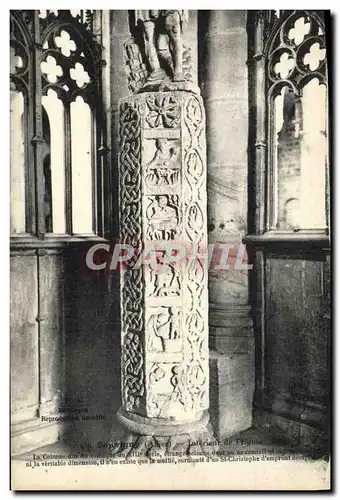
(297,93)
(57,125)
(289,50)
(20,70)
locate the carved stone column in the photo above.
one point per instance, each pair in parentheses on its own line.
(165,369)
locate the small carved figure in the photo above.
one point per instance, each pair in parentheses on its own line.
(156,401)
(162,30)
(175,325)
(165,325)
(164,220)
(166,281)
(164,167)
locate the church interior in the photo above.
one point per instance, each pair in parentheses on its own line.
(257,84)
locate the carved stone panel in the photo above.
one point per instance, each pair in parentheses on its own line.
(132,282)
(163,329)
(166,392)
(162,164)
(164,281)
(164,306)
(162,217)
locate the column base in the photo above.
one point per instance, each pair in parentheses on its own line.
(151,438)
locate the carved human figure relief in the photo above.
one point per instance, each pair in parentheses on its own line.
(163,281)
(162,217)
(167,281)
(155,404)
(164,168)
(164,329)
(165,385)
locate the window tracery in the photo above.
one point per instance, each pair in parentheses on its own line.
(55,89)
(290,72)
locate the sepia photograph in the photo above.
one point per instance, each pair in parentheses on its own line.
(170,250)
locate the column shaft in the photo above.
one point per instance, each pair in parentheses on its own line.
(164,299)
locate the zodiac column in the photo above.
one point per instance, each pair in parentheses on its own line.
(165,378)
(164,300)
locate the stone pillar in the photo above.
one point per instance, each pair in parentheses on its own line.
(165,370)
(224,84)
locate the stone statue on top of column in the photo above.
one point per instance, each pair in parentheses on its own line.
(158,55)
(163,45)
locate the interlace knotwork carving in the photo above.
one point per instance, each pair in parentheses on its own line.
(131,233)
(130,175)
(133,383)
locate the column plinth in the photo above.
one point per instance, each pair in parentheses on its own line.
(164,293)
